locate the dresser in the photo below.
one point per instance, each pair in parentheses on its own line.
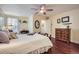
(63,34)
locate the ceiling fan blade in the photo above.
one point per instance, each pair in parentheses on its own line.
(34,9)
(36,13)
(49,9)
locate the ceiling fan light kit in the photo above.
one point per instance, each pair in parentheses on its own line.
(43,9)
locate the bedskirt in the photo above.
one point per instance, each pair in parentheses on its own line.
(39,51)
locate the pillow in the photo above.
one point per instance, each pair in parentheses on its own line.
(4,37)
(12,35)
(37,35)
(7,32)
(30,33)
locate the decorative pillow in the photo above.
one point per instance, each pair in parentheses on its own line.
(12,35)
(7,32)
(4,37)
(30,33)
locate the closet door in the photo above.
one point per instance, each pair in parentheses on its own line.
(43,26)
(46,26)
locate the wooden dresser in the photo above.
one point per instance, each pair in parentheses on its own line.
(63,34)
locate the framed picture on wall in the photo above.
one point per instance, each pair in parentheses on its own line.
(65,19)
(58,20)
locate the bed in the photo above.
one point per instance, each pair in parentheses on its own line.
(27,44)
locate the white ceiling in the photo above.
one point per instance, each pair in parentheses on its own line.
(25,9)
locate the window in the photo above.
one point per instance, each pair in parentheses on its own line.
(1,22)
(13,24)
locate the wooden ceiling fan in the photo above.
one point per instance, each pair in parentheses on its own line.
(42,9)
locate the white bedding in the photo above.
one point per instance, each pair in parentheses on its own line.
(26,44)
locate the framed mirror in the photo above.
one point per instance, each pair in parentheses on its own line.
(37,24)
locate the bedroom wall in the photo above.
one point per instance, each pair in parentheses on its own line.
(74,19)
(27,26)
(21,16)
(45,24)
(30,24)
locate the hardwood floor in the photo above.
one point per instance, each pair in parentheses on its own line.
(60,47)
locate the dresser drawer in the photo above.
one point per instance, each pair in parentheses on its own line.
(62,34)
